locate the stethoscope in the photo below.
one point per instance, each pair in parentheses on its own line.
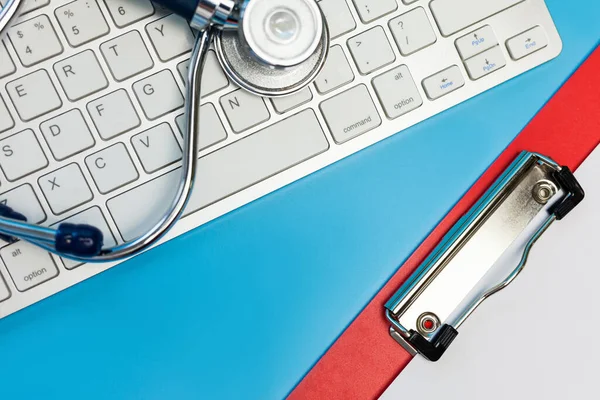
(267,47)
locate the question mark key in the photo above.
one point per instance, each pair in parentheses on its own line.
(412,31)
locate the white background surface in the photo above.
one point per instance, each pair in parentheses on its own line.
(538,339)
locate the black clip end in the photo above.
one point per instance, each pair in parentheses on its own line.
(569,183)
(434,350)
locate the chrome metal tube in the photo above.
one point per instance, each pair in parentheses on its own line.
(222,14)
(26,231)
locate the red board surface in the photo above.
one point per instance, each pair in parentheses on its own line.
(365,360)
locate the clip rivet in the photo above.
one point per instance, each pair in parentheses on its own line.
(543,191)
(427,323)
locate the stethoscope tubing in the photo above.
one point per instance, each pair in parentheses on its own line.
(44,237)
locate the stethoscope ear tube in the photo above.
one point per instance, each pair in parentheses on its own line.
(83,243)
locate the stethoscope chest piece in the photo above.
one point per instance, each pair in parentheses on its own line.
(278,50)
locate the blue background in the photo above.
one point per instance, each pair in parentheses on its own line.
(267,288)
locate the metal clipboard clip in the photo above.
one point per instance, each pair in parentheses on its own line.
(438,297)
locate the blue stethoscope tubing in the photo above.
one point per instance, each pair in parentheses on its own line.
(84,243)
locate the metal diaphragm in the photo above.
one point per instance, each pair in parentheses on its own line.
(250,71)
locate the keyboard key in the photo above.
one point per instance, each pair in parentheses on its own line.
(527,43)
(24,200)
(444,82)
(397,92)
(244,110)
(455,15)
(126,12)
(126,55)
(262,155)
(92,216)
(80,75)
(287,103)
(35,40)
(211,128)
(21,155)
(81,21)
(171,36)
(6,121)
(158,94)
(213,78)
(335,73)
(111,168)
(350,114)
(67,134)
(412,31)
(485,63)
(33,95)
(371,50)
(370,10)
(156,148)
(113,114)
(4,292)
(28,265)
(7,67)
(65,189)
(338,16)
(476,42)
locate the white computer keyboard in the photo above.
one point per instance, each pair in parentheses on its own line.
(91,103)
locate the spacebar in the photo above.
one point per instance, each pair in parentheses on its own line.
(223,172)
(455,15)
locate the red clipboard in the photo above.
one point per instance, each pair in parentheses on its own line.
(365,360)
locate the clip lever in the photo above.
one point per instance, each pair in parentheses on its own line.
(426,312)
